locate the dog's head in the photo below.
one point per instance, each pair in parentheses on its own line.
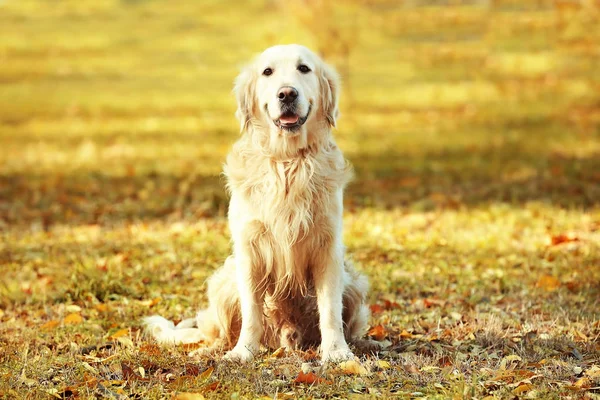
(288,91)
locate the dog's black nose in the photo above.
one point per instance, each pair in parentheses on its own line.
(287,94)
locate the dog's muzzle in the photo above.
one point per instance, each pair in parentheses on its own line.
(289,120)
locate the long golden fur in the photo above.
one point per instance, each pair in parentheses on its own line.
(287,283)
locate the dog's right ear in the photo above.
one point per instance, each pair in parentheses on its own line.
(244,93)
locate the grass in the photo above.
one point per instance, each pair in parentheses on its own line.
(475,135)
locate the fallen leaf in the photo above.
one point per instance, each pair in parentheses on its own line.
(129,374)
(150,302)
(50,325)
(583,383)
(548,283)
(310,379)
(119,333)
(310,355)
(72,308)
(188,396)
(211,386)
(593,372)
(73,319)
(377,332)
(405,334)
(522,388)
(207,373)
(563,238)
(352,367)
(280,352)
(191,369)
(382,364)
(101,307)
(151,349)
(390,305)
(376,308)
(508,359)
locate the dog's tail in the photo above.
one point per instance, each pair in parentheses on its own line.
(166,332)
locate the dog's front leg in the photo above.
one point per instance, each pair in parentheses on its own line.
(251,307)
(329,285)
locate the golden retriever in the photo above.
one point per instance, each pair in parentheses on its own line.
(287,283)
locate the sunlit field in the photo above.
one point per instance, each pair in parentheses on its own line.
(474,132)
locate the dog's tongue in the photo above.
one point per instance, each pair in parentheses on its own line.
(288,119)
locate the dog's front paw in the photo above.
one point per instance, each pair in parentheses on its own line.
(342,353)
(239,353)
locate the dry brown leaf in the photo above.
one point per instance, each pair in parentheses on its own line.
(191,369)
(310,379)
(129,374)
(309,355)
(73,319)
(211,387)
(151,349)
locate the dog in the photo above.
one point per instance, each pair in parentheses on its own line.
(287,282)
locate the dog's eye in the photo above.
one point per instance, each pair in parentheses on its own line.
(267,71)
(303,68)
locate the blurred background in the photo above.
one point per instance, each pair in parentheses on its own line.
(121,110)
(474,131)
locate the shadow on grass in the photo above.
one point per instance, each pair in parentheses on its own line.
(448,179)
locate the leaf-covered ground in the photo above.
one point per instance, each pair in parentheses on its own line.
(474,130)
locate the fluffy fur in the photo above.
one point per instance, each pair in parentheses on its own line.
(287,283)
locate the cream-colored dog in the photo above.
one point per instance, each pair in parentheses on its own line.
(287,283)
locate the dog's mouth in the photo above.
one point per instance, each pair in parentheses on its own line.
(290,121)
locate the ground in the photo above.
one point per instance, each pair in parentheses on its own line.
(474,131)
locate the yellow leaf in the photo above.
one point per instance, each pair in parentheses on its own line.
(50,325)
(522,388)
(583,383)
(508,359)
(119,333)
(548,282)
(352,367)
(150,302)
(382,364)
(101,307)
(280,352)
(73,319)
(206,374)
(405,334)
(593,372)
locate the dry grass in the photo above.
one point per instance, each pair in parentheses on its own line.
(474,132)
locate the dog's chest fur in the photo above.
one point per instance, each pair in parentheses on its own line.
(287,199)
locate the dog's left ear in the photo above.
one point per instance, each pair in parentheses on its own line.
(244,93)
(330,87)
